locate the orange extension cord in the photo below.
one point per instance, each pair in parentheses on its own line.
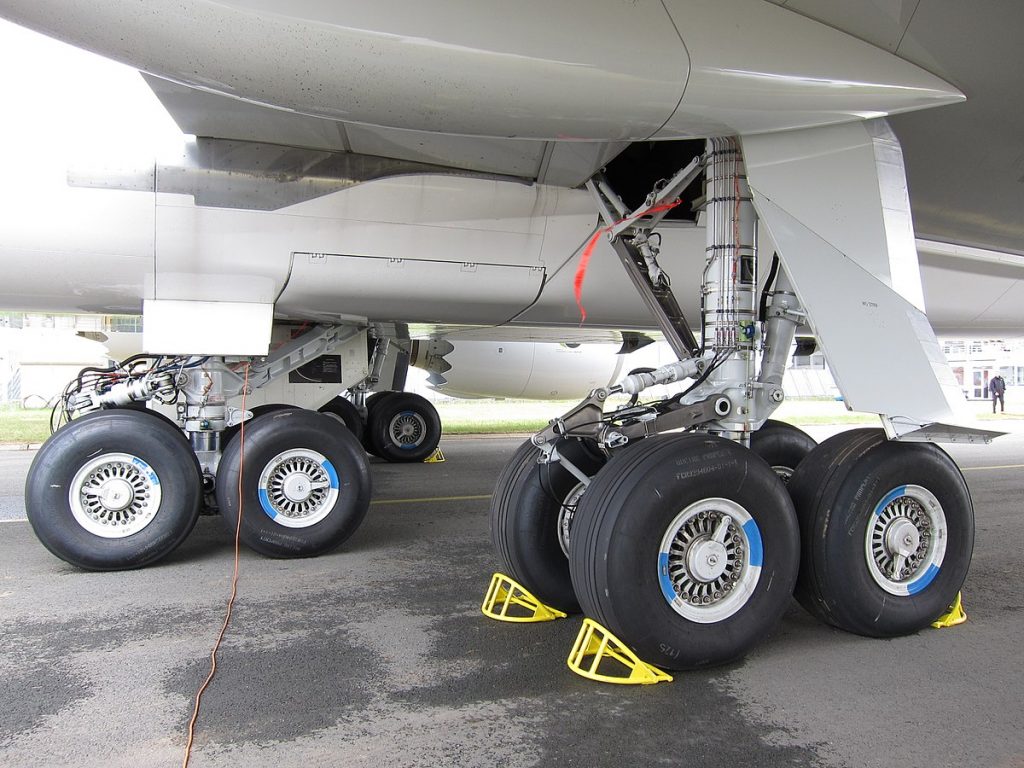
(234,585)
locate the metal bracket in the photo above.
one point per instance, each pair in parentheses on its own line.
(318,340)
(583,420)
(553,455)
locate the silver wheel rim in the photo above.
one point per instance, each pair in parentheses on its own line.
(905,541)
(298,488)
(710,560)
(114,495)
(566,512)
(783,472)
(407,430)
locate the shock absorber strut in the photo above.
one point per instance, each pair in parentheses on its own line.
(729,290)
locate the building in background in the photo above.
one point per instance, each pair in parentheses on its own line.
(975,362)
(40,354)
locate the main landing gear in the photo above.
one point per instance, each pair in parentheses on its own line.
(688,546)
(121,486)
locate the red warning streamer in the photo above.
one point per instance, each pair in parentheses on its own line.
(588,251)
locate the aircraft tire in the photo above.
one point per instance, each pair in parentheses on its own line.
(530,519)
(403,427)
(113,490)
(344,411)
(305,485)
(685,516)
(141,408)
(372,401)
(887,532)
(229,433)
(782,445)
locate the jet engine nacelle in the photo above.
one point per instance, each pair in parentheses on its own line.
(526,369)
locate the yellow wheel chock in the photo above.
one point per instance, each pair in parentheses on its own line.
(504,595)
(435,458)
(594,640)
(955,615)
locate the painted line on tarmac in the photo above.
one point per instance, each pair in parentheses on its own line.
(431,499)
(1001,466)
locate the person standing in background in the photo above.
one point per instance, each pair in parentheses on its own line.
(998,388)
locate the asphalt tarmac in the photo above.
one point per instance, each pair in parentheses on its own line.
(377,654)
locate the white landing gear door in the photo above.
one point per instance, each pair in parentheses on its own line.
(834,201)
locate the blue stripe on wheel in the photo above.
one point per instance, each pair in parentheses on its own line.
(265,503)
(756,547)
(889,498)
(331,473)
(667,587)
(917,586)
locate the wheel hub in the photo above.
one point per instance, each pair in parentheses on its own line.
(707,560)
(566,513)
(784,473)
(710,560)
(408,430)
(905,541)
(902,537)
(114,495)
(298,488)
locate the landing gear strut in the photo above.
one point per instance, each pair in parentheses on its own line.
(688,547)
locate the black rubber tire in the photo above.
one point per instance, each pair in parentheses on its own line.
(525,508)
(836,492)
(141,408)
(121,430)
(617,537)
(344,411)
(266,438)
(783,446)
(260,410)
(398,412)
(372,401)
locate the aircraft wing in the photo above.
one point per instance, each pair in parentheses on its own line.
(559,163)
